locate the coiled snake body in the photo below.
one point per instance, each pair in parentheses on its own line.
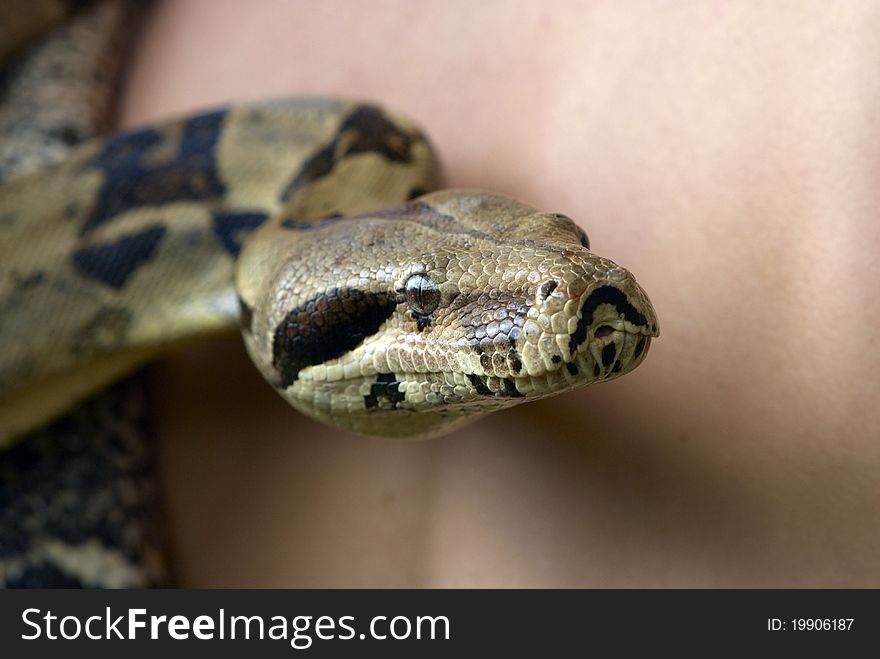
(274,217)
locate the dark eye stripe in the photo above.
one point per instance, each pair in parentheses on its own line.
(327,326)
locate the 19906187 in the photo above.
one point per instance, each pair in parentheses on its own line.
(810,624)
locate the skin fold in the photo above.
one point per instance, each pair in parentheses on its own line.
(725,153)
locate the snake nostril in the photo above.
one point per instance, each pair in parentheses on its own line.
(603,330)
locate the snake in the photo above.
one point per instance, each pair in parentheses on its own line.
(367,294)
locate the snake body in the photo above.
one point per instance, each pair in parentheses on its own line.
(79,502)
(367,296)
(390,322)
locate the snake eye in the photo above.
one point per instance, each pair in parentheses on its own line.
(422,294)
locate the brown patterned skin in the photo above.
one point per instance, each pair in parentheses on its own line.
(508,305)
(78,498)
(128,247)
(63,91)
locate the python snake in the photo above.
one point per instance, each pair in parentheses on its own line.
(387,322)
(367,296)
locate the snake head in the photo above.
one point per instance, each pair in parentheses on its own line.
(411,321)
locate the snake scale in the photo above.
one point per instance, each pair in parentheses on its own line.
(367,296)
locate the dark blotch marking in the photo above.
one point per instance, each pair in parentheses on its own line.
(366,129)
(485,359)
(572,368)
(515,362)
(44,575)
(480,385)
(596,370)
(386,388)
(617,367)
(133,179)
(510,389)
(114,263)
(548,287)
(374,132)
(640,346)
(603,295)
(327,326)
(556,359)
(89,477)
(609,352)
(232,229)
(416,192)
(67,134)
(245,316)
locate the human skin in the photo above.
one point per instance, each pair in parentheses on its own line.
(726,153)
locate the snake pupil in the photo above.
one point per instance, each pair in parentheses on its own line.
(422,294)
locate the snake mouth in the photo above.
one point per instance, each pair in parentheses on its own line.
(614,351)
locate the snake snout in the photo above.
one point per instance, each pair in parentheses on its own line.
(614,329)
